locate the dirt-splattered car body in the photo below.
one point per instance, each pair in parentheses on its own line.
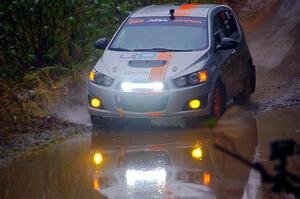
(157,64)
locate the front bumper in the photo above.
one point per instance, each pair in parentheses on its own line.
(169,103)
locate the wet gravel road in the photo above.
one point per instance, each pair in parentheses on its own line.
(275,49)
(143,160)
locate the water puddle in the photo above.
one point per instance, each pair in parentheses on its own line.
(151,162)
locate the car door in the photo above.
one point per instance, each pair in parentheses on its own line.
(233,31)
(225,59)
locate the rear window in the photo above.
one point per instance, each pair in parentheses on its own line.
(158,33)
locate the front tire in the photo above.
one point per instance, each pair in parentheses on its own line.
(218,106)
(245,96)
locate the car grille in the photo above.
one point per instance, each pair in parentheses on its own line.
(143,103)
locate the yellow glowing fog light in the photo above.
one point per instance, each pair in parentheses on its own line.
(197,153)
(194,104)
(95,102)
(97,158)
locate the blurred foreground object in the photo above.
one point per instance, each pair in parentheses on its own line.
(283,181)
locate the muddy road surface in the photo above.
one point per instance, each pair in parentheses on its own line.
(276,53)
(143,160)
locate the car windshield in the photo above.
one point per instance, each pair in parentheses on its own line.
(162,34)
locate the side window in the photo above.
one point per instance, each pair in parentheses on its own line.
(228,22)
(218,30)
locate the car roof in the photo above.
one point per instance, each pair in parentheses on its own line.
(192,10)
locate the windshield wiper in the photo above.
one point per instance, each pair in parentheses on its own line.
(120,49)
(160,50)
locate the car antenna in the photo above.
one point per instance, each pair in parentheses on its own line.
(171,13)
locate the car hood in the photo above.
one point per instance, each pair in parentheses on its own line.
(145,66)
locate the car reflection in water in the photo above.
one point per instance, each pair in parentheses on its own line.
(178,166)
(148,173)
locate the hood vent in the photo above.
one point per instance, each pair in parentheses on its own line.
(146,63)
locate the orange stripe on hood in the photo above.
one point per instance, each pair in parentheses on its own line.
(185,10)
(159,73)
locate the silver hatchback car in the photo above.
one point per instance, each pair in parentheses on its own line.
(181,60)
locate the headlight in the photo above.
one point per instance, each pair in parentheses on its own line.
(181,81)
(133,86)
(100,79)
(158,175)
(192,79)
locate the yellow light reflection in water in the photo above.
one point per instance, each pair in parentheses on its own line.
(206,178)
(96,184)
(197,153)
(98,158)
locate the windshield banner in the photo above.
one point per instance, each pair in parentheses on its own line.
(167,21)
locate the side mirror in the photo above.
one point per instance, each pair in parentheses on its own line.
(101,43)
(227,43)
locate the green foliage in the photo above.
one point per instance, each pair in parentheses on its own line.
(45,74)
(38,33)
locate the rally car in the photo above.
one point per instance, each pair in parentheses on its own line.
(178,61)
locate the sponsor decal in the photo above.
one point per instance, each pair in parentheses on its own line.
(183,20)
(135,21)
(187,21)
(128,56)
(138,56)
(158,20)
(147,56)
(136,73)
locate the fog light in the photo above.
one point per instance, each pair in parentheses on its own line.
(194,104)
(96,103)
